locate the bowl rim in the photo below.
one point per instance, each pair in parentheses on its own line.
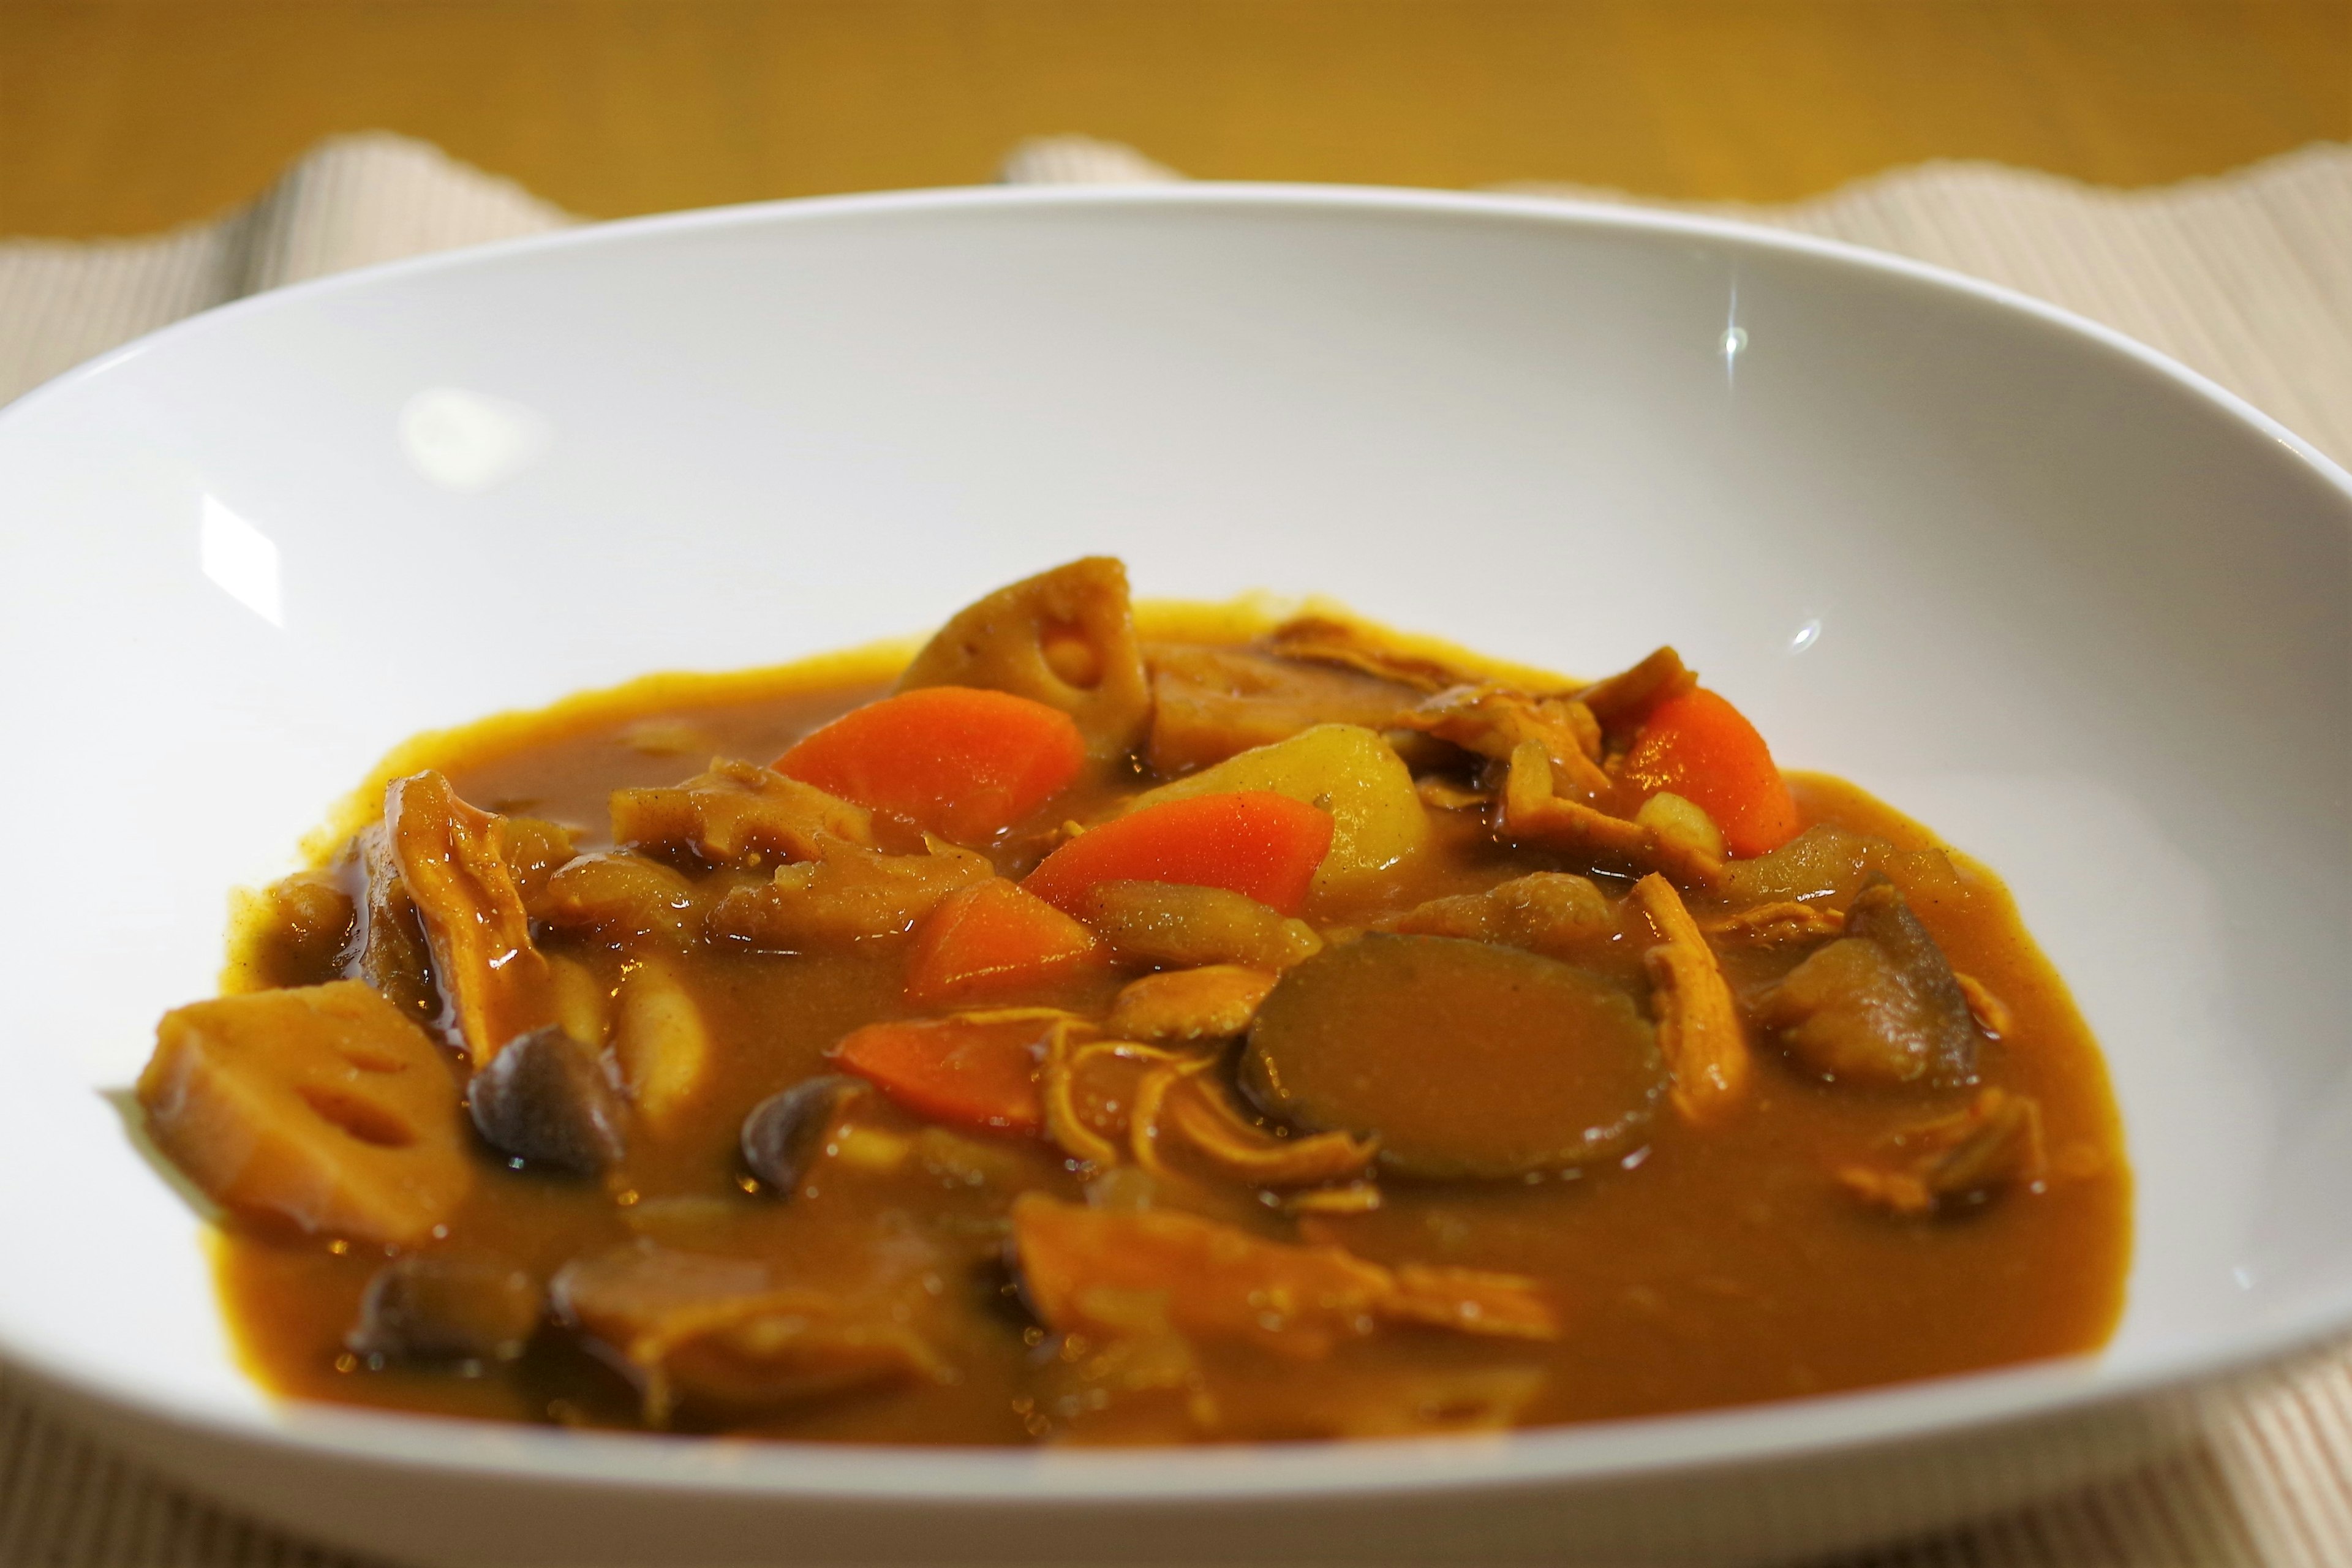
(1643,1448)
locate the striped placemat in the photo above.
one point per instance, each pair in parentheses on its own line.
(2247,278)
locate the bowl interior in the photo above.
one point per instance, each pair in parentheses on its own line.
(2021,580)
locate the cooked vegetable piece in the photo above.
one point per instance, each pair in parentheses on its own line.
(1178,923)
(1377,820)
(430,1308)
(786,1132)
(311,922)
(323,1108)
(736,811)
(1700,747)
(493,981)
(994,941)
(1698,1022)
(1214,1002)
(1683,825)
(725,1335)
(1210,703)
(1828,862)
(544,1098)
(848,894)
(625,898)
(532,849)
(1125,1274)
(1463,1058)
(1961,1159)
(583,1004)
(1066,638)
(1878,1005)
(1533,813)
(963,762)
(660,1042)
(974,1069)
(1264,846)
(1550,912)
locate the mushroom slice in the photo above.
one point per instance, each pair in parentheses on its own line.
(1064,637)
(1214,1002)
(324,1108)
(1494,721)
(1878,1005)
(1964,1157)
(1534,813)
(726,1335)
(1698,1024)
(1550,912)
(1463,1058)
(735,813)
(494,983)
(848,894)
(1177,924)
(786,1132)
(428,1308)
(543,1098)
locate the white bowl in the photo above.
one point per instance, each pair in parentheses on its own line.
(2077,609)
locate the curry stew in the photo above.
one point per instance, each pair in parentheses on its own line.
(1081,1036)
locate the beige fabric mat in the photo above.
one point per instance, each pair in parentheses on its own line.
(2247,278)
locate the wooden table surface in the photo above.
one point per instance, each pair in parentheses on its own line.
(123,116)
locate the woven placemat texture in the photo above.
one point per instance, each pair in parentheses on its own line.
(2246,278)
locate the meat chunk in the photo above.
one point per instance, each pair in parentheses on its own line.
(1215,1002)
(1880,1004)
(494,983)
(387,947)
(1958,1159)
(1623,702)
(1210,703)
(1494,721)
(1550,912)
(323,1108)
(1698,1024)
(1144,1273)
(1177,924)
(726,1336)
(1534,813)
(848,894)
(1778,924)
(1063,637)
(738,811)
(1321,639)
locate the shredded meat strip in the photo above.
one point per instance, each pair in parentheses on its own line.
(494,982)
(1966,1157)
(1533,813)
(1698,1024)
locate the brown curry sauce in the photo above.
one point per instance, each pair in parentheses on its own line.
(1709,1266)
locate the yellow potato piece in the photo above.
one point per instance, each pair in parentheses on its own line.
(1376,818)
(325,1107)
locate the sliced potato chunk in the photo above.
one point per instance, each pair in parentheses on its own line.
(323,1108)
(1463,1058)
(1180,924)
(661,1042)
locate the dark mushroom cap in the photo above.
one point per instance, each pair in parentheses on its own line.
(544,1098)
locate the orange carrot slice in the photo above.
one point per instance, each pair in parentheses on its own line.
(990,942)
(1260,845)
(963,762)
(974,1072)
(1698,747)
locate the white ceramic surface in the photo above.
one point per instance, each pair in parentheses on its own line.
(2078,610)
